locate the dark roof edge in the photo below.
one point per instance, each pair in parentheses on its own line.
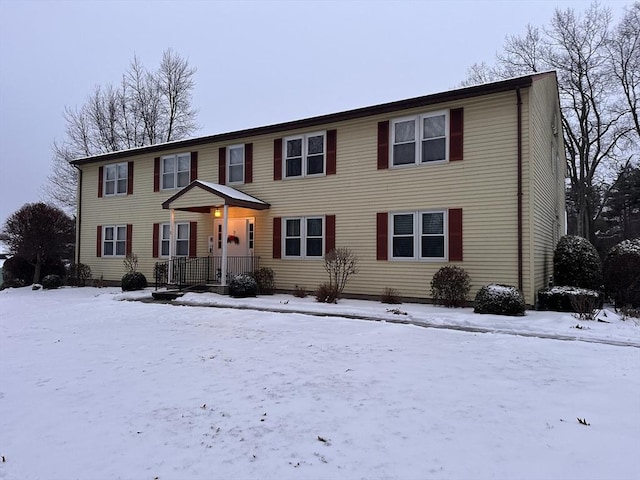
(448,96)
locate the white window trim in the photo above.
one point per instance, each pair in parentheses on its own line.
(115,187)
(304,138)
(228,163)
(417,236)
(303,237)
(175,240)
(114,241)
(175,157)
(418,125)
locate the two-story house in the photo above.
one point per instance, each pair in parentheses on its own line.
(472,177)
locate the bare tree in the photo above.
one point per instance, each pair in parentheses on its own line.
(579,48)
(146,108)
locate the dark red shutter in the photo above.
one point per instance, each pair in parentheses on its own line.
(100,180)
(456,122)
(383,145)
(455,234)
(193,239)
(129,247)
(248,163)
(277,159)
(330,234)
(222,165)
(129,178)
(156,239)
(194,166)
(382,236)
(156,174)
(99,241)
(277,237)
(332,140)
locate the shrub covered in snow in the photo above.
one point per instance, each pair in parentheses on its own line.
(450,286)
(621,273)
(133,281)
(243,286)
(576,263)
(499,300)
(51,281)
(560,299)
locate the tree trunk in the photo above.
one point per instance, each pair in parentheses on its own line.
(38,268)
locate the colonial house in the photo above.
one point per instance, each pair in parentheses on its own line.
(472,177)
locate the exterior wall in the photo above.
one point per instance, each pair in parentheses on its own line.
(548,170)
(483,184)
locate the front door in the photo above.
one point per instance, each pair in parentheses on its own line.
(239,237)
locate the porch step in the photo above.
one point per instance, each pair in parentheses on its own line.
(167,295)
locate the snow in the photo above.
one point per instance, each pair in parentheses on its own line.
(230,192)
(96,388)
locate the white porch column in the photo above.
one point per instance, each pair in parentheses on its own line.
(172,239)
(223,262)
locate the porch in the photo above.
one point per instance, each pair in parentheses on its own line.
(202,272)
(230,245)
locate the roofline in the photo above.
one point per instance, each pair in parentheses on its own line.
(448,96)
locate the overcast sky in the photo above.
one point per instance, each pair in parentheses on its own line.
(258,62)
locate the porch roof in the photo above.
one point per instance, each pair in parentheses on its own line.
(201,196)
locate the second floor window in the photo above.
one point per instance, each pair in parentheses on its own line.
(304,155)
(235,164)
(176,170)
(420,139)
(115,179)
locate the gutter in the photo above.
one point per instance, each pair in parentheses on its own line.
(519,103)
(78,213)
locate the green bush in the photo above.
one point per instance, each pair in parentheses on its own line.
(576,263)
(499,300)
(243,286)
(17,271)
(327,293)
(450,286)
(265,278)
(78,274)
(51,281)
(133,281)
(621,273)
(561,299)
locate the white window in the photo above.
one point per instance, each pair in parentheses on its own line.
(114,243)
(115,179)
(176,171)
(420,139)
(304,155)
(303,237)
(181,243)
(418,235)
(235,164)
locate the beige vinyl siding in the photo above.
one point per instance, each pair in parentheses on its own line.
(548,200)
(483,185)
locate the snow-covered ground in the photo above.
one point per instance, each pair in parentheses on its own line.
(96,388)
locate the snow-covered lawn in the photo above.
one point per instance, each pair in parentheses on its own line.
(95,388)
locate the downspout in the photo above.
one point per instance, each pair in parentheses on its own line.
(519,189)
(78,214)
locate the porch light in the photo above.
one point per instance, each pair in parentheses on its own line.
(217,213)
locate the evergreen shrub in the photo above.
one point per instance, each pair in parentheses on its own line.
(133,281)
(499,300)
(450,286)
(243,285)
(576,263)
(51,282)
